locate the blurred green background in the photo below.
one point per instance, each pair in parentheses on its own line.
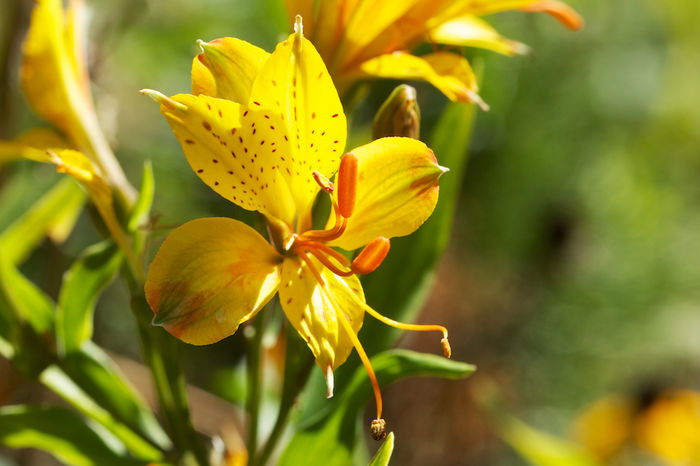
(573,270)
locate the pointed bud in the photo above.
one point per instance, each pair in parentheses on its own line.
(371,256)
(399,115)
(347,184)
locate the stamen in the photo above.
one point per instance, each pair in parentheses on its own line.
(446,350)
(325,261)
(303,254)
(365,361)
(328,250)
(323,182)
(347,184)
(371,256)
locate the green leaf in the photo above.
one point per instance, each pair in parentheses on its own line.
(331,435)
(59,382)
(25,301)
(100,378)
(54,215)
(60,432)
(142,208)
(384,453)
(82,285)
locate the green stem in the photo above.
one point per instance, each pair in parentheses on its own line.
(162,354)
(254,383)
(298,362)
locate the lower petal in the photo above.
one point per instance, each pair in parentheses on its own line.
(208,277)
(313,300)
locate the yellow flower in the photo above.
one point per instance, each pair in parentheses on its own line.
(267,132)
(362,39)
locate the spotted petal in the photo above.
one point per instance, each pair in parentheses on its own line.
(295,87)
(209,276)
(234,151)
(315,310)
(397,190)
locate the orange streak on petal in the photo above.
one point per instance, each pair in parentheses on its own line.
(561,11)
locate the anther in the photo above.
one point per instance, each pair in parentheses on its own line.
(323,182)
(347,184)
(446,350)
(377,429)
(371,256)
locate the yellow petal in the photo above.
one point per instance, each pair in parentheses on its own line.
(31,144)
(240,153)
(449,72)
(294,85)
(53,75)
(472,31)
(368,20)
(397,189)
(208,277)
(314,309)
(232,66)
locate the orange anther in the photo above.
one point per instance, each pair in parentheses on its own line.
(371,256)
(323,182)
(347,184)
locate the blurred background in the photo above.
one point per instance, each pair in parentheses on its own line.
(573,270)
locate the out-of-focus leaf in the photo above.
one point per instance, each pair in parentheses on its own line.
(25,301)
(542,449)
(60,432)
(142,208)
(54,214)
(384,453)
(59,382)
(332,433)
(82,285)
(101,379)
(400,285)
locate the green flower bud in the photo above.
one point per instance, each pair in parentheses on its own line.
(399,115)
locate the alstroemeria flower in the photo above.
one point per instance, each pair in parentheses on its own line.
(363,39)
(267,132)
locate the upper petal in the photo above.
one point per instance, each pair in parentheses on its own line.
(226,68)
(397,190)
(208,277)
(53,74)
(448,72)
(472,31)
(314,309)
(234,150)
(294,86)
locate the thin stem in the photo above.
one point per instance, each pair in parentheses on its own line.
(297,367)
(161,353)
(254,383)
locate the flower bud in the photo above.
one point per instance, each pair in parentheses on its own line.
(399,115)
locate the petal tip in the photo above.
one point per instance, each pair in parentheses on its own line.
(329,381)
(162,99)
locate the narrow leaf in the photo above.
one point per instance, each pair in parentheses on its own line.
(331,435)
(384,453)
(60,432)
(82,285)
